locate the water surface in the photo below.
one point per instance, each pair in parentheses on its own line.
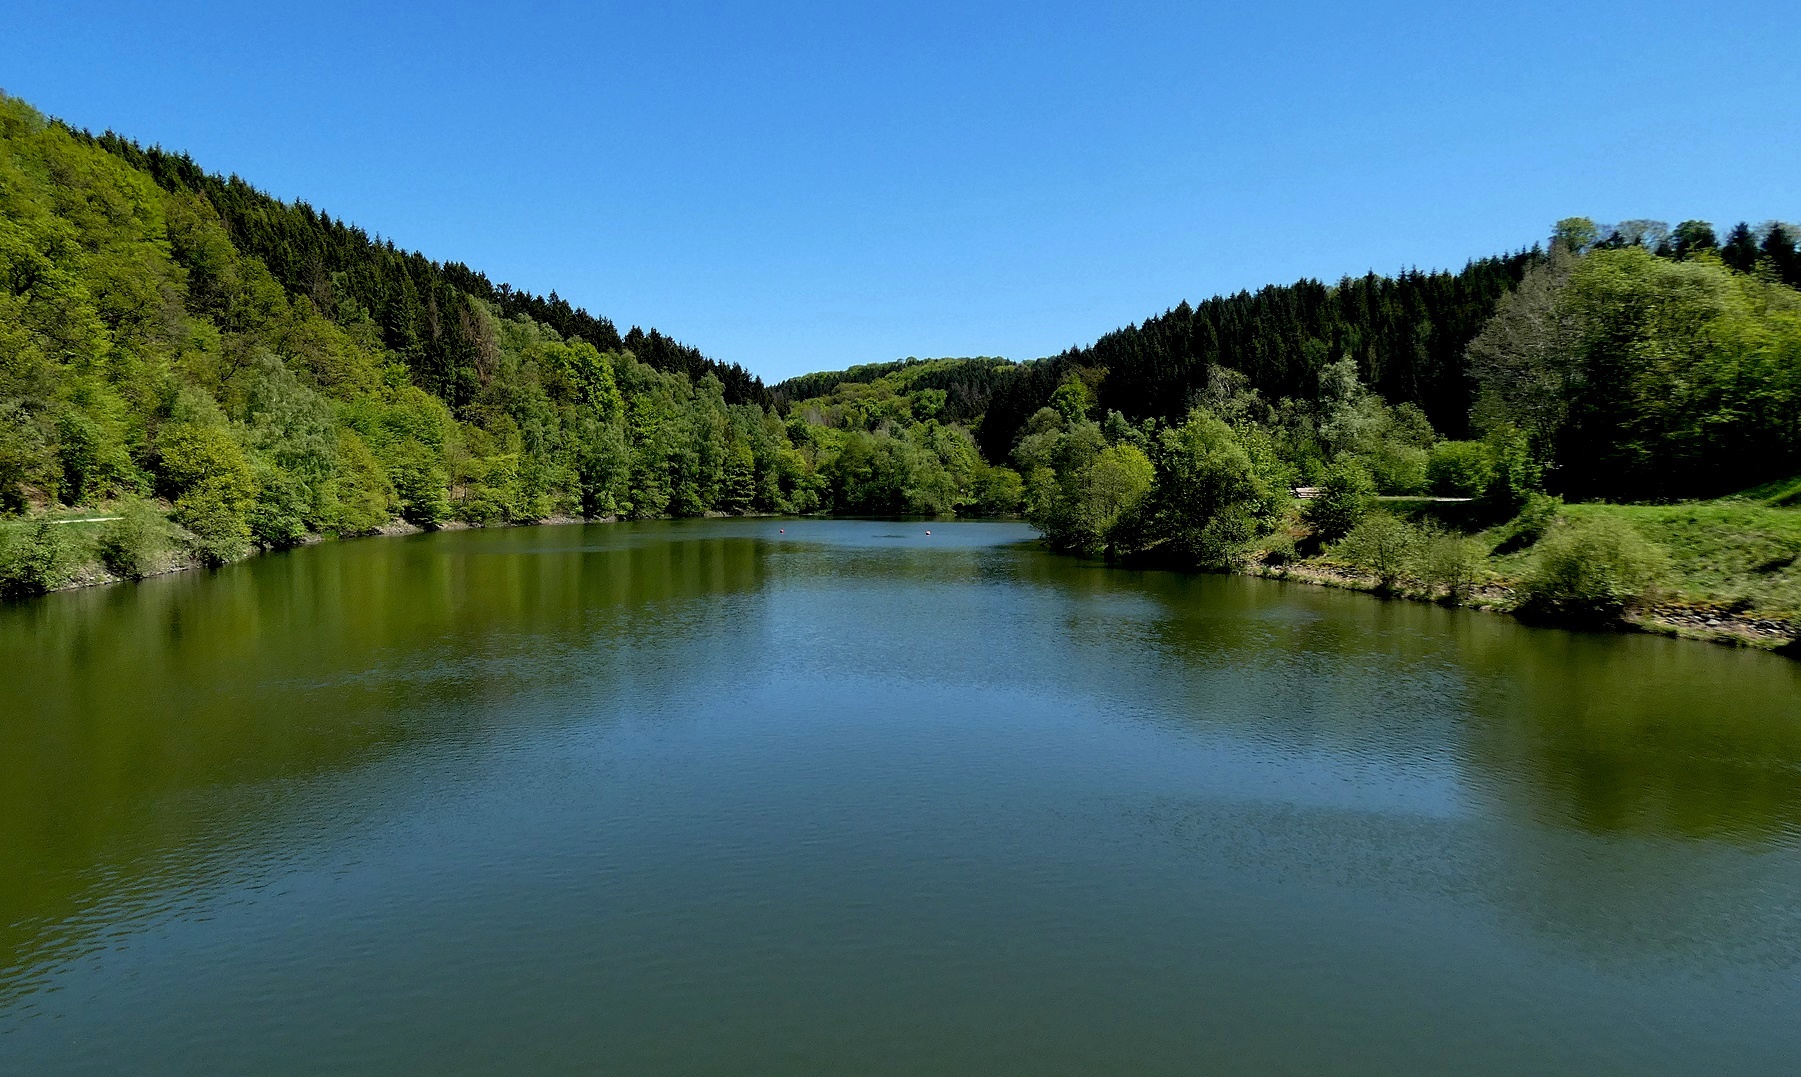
(708,797)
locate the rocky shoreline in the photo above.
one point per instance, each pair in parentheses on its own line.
(1699,622)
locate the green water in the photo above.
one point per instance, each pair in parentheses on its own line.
(712,798)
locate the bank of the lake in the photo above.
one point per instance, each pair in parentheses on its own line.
(824,796)
(1699,615)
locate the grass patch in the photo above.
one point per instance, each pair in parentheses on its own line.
(1734,553)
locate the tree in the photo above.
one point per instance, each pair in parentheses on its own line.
(1382,545)
(1691,238)
(1574,235)
(1343,499)
(1211,498)
(1740,249)
(1526,361)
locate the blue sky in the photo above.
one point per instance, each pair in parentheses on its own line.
(801,187)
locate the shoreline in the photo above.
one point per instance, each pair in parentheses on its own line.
(1671,618)
(1695,622)
(96,575)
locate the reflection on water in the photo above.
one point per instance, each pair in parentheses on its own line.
(757,739)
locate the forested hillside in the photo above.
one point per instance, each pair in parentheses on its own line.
(208,369)
(427,312)
(1633,363)
(223,370)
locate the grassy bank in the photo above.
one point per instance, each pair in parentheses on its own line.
(113,543)
(1729,570)
(1726,570)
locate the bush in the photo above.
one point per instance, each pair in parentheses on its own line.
(998,492)
(215,522)
(1381,545)
(1591,569)
(1396,467)
(1535,517)
(419,485)
(1460,469)
(1344,498)
(277,516)
(35,558)
(1516,475)
(1449,563)
(131,547)
(1279,550)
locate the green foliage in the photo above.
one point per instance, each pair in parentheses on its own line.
(363,496)
(1345,496)
(1448,564)
(1591,569)
(1404,335)
(1647,378)
(1215,494)
(35,557)
(1072,400)
(1516,474)
(216,517)
(999,491)
(419,483)
(1536,515)
(1382,545)
(134,545)
(277,517)
(1081,510)
(1460,469)
(1726,553)
(1575,234)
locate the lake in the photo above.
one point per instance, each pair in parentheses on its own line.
(839,797)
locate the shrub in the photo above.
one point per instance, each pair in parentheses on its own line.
(1450,563)
(1381,545)
(419,485)
(35,558)
(998,492)
(1344,498)
(1396,467)
(1279,550)
(131,547)
(277,516)
(1460,469)
(1535,517)
(1591,569)
(1516,475)
(215,521)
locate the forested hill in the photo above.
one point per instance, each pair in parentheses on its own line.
(422,307)
(1407,334)
(207,369)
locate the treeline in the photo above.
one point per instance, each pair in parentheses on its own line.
(424,310)
(1649,364)
(1627,369)
(151,362)
(224,369)
(1406,333)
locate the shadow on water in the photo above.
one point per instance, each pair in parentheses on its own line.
(1617,791)
(1584,760)
(1606,734)
(133,702)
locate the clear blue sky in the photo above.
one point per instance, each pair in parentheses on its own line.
(800,187)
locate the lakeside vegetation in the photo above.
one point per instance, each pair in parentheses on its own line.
(1603,426)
